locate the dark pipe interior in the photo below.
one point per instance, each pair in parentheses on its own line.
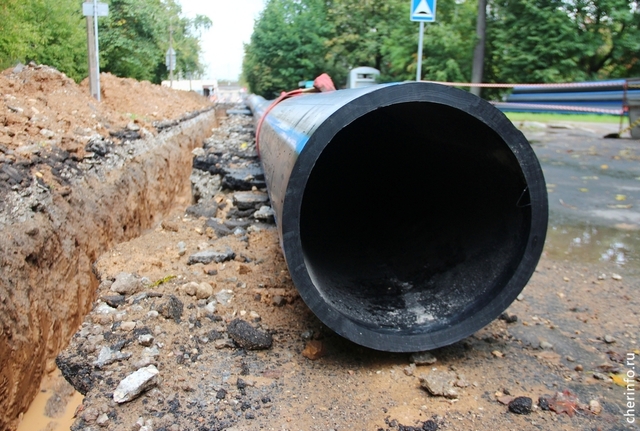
(413,218)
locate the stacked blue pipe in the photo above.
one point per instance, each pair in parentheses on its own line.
(594,95)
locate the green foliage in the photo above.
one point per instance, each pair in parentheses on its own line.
(133,39)
(287,46)
(527,41)
(135,36)
(46,32)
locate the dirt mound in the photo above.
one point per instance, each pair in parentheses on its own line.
(48,123)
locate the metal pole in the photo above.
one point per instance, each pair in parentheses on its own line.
(91,47)
(420,39)
(97,52)
(171,60)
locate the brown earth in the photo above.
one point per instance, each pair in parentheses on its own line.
(57,211)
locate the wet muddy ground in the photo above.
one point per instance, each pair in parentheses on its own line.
(226,343)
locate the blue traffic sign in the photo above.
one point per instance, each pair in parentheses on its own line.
(423,10)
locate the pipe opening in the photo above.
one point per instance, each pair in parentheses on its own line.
(414,217)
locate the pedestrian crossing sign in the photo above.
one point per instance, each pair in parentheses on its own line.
(423,10)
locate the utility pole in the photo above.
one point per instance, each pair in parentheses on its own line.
(94,75)
(478,52)
(92,10)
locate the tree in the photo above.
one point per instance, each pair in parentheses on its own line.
(287,46)
(47,32)
(135,37)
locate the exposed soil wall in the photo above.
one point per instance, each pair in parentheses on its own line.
(50,237)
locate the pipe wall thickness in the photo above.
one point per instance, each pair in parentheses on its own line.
(410,215)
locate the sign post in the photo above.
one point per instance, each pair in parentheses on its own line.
(92,10)
(422,11)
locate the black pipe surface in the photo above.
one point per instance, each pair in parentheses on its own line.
(410,215)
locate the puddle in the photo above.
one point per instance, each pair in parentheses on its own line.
(53,407)
(587,243)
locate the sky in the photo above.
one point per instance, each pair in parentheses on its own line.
(223,43)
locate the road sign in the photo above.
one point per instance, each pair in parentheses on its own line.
(87,9)
(423,10)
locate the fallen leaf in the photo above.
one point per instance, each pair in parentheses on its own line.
(604,166)
(564,402)
(618,379)
(620,207)
(621,197)
(583,189)
(590,178)
(567,205)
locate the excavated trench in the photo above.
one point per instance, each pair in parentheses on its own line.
(52,237)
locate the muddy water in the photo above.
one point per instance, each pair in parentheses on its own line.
(587,243)
(54,406)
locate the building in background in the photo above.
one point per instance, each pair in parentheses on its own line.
(205,87)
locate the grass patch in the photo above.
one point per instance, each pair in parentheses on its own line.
(549,118)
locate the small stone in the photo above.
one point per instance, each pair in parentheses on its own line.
(599,376)
(223,343)
(505,399)
(609,339)
(278,300)
(546,345)
(212,255)
(616,277)
(204,290)
(210,307)
(521,405)
(221,394)
(102,420)
(135,383)
(578,367)
(190,288)
(128,326)
(146,340)
(170,226)
(497,354)
(440,383)
(224,296)
(422,358)
(249,200)
(206,209)
(509,318)
(126,284)
(314,350)
(103,308)
(595,407)
(248,337)
(108,356)
(520,297)
(543,402)
(113,300)
(265,213)
(172,309)
(182,248)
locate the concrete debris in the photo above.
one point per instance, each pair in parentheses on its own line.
(126,284)
(265,214)
(248,337)
(440,383)
(135,383)
(250,200)
(422,358)
(212,255)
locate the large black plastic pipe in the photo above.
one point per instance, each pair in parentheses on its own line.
(410,215)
